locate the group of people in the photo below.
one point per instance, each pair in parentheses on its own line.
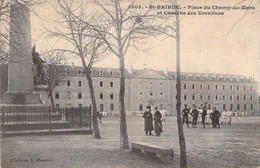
(214,116)
(148,121)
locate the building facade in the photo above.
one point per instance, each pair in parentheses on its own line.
(226,92)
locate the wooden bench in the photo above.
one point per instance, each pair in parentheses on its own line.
(165,154)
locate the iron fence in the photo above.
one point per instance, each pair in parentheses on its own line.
(17,118)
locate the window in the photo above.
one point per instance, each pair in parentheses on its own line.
(224,97)
(111,84)
(100,73)
(101,107)
(238,97)
(151,95)
(68,83)
(224,87)
(79,72)
(193,86)
(238,107)
(79,95)
(201,97)
(216,97)
(68,95)
(101,95)
(231,107)
(244,88)
(176,97)
(185,86)
(68,71)
(251,88)
(140,84)
(101,83)
(209,106)
(140,95)
(111,96)
(80,105)
(140,107)
(160,85)
(57,83)
(111,107)
(208,97)
(237,87)
(252,106)
(231,97)
(57,105)
(244,106)
(208,87)
(224,107)
(111,73)
(193,97)
(201,87)
(57,95)
(216,87)
(79,83)
(160,95)
(231,87)
(185,97)
(251,97)
(151,85)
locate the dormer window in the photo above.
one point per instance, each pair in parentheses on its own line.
(100,73)
(79,72)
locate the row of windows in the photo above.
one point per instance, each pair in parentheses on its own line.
(150,95)
(141,107)
(217,97)
(79,72)
(101,95)
(151,84)
(79,83)
(101,83)
(224,107)
(193,86)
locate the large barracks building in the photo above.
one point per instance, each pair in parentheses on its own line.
(231,92)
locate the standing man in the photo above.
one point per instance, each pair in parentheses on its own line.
(148,121)
(194,114)
(203,115)
(185,115)
(157,122)
(215,118)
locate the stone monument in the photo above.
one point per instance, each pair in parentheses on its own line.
(21,89)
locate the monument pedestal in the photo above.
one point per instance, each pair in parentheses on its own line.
(22,98)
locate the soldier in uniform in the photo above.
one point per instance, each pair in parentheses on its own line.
(148,121)
(185,115)
(194,114)
(157,122)
(203,115)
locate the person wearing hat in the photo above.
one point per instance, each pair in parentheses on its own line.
(157,122)
(185,115)
(194,114)
(203,115)
(215,118)
(148,121)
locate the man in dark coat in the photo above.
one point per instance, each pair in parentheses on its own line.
(148,121)
(194,114)
(203,115)
(215,118)
(185,115)
(157,122)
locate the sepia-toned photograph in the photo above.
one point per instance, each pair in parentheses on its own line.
(129,83)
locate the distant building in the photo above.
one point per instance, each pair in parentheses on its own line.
(230,92)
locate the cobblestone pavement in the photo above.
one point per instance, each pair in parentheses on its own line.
(230,146)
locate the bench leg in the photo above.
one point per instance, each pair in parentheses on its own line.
(135,150)
(166,158)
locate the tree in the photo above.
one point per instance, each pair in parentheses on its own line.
(126,29)
(51,70)
(89,50)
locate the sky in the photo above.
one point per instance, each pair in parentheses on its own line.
(207,44)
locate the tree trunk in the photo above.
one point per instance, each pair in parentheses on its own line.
(93,101)
(52,101)
(183,158)
(124,144)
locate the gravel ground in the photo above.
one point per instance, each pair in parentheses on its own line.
(230,146)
